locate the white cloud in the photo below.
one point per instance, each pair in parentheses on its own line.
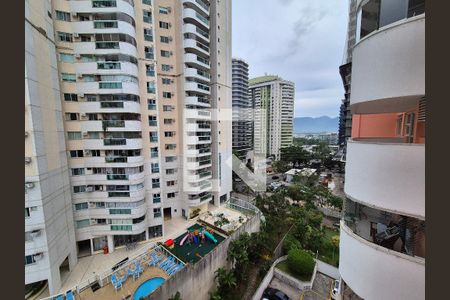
(301,41)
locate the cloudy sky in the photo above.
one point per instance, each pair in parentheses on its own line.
(299,40)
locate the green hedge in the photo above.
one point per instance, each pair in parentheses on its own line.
(300,262)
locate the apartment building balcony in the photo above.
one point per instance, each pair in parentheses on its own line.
(110,107)
(197,114)
(197,61)
(387,175)
(111,125)
(375,272)
(96,26)
(198,74)
(88,6)
(107,68)
(198,101)
(108,161)
(120,179)
(198,127)
(194,140)
(199,5)
(110,229)
(198,164)
(111,143)
(388,69)
(116,196)
(197,87)
(196,200)
(194,17)
(197,32)
(100,48)
(107,213)
(197,152)
(104,87)
(199,177)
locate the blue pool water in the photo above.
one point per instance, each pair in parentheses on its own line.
(148,287)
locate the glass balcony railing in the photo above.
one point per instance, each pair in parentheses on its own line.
(117,177)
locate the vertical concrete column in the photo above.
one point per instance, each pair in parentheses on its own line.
(146,234)
(111,243)
(92,246)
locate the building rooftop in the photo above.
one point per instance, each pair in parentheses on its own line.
(303,172)
(262,79)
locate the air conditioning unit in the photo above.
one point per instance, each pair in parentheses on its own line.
(27,160)
(89,189)
(29,185)
(36,233)
(81,95)
(85,133)
(172,81)
(171,67)
(169,10)
(77,55)
(79,75)
(38,256)
(74,14)
(170,25)
(171,53)
(170,39)
(83,116)
(75,35)
(87,152)
(26,133)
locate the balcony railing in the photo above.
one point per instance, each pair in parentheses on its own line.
(113,123)
(114,142)
(117,177)
(116,159)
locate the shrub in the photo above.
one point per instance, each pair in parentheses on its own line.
(290,242)
(300,262)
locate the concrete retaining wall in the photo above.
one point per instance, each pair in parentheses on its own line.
(327,269)
(197,281)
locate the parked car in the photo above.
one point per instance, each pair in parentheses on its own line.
(274,294)
(335,290)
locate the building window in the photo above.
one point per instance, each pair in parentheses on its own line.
(152,121)
(27,212)
(171,183)
(150,70)
(169,133)
(170,171)
(64,36)
(170,146)
(120,211)
(83,223)
(154,152)
(148,35)
(74,135)
(151,87)
(154,168)
(171,195)
(76,153)
(105,24)
(168,108)
(148,2)
(165,53)
(70,77)
(156,198)
(155,183)
(66,57)
(81,206)
(166,81)
(71,116)
(151,104)
(70,97)
(169,121)
(147,16)
(164,10)
(110,85)
(104,3)
(153,136)
(164,39)
(157,212)
(79,189)
(108,65)
(167,95)
(77,171)
(29,259)
(171,158)
(164,25)
(155,231)
(165,67)
(149,53)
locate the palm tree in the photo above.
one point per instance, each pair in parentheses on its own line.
(177,296)
(225,280)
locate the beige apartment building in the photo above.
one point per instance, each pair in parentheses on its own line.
(145,94)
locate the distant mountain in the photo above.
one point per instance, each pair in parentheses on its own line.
(316,125)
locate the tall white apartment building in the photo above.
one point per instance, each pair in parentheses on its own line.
(242,110)
(141,112)
(49,229)
(382,239)
(273,100)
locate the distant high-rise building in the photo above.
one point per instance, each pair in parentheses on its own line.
(242,110)
(49,229)
(141,89)
(345,116)
(382,237)
(273,100)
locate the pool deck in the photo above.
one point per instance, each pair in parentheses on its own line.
(128,288)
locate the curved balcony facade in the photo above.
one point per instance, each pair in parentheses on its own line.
(86,6)
(110,107)
(388,68)
(374,272)
(387,175)
(125,68)
(104,87)
(93,27)
(201,6)
(93,47)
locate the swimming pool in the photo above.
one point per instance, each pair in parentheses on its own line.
(147,287)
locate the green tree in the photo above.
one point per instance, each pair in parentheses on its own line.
(238,255)
(300,262)
(295,155)
(280,166)
(225,281)
(177,296)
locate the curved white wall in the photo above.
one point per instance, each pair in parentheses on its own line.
(387,176)
(374,272)
(389,64)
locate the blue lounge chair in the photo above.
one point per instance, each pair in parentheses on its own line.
(164,262)
(116,282)
(69,295)
(154,260)
(170,264)
(59,297)
(176,269)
